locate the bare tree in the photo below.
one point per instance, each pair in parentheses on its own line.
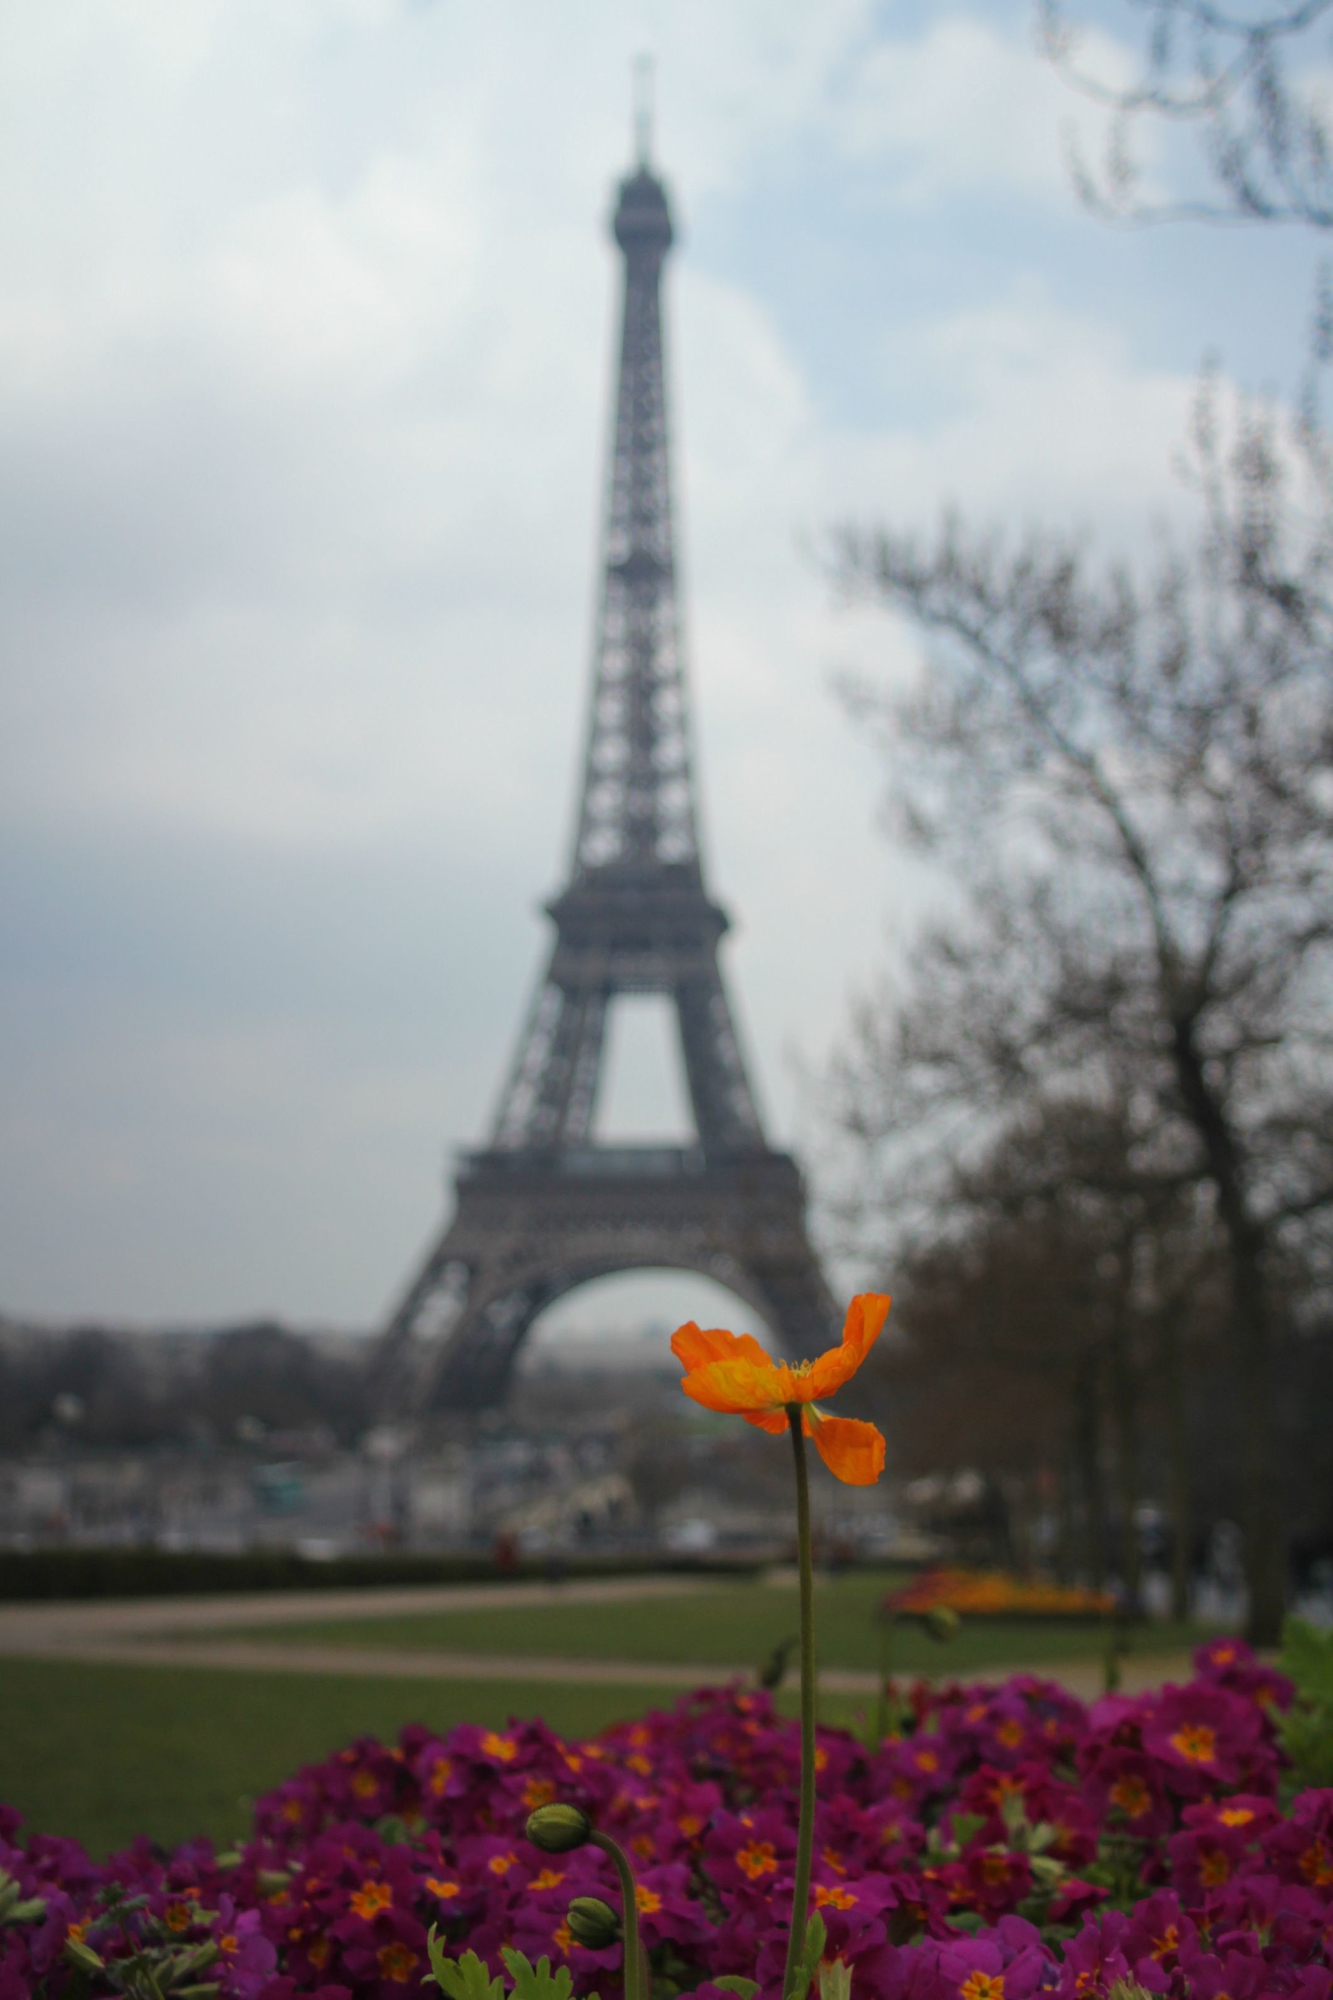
(1131,782)
(1043,1324)
(1227,75)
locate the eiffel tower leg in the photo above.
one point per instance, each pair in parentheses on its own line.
(552,1087)
(474,1371)
(798,1303)
(443,1277)
(724,1110)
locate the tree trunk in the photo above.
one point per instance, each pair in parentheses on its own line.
(1252,1346)
(1063,1555)
(1088,1459)
(1176,1429)
(1265,1543)
(1124,1397)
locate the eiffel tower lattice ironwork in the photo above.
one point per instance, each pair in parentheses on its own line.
(545,1206)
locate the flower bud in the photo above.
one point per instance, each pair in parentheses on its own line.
(592,1923)
(558,1829)
(941,1621)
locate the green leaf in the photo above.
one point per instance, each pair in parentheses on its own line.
(964,1825)
(816,1937)
(835,1981)
(1307,1659)
(536,1982)
(464,1978)
(1306,1733)
(1306,1730)
(1047,1870)
(14,1908)
(731,1982)
(194,1959)
(82,1955)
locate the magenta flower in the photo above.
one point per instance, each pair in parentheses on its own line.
(1093,1961)
(1205,1736)
(1005,1965)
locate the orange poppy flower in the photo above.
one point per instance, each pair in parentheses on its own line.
(731,1372)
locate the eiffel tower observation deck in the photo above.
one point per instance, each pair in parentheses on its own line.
(545,1206)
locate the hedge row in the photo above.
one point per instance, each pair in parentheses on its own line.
(26,1575)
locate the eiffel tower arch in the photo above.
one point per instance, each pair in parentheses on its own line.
(544,1207)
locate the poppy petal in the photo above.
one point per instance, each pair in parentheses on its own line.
(852,1451)
(865,1316)
(736,1386)
(772,1421)
(694,1347)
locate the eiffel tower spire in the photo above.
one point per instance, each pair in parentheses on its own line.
(638,802)
(635,917)
(545,1206)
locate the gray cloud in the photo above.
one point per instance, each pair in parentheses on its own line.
(304,349)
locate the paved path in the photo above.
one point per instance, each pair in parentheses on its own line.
(23,1627)
(193,1632)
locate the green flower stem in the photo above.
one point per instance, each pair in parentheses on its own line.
(805,1832)
(635,1986)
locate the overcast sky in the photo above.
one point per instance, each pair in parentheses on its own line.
(305,321)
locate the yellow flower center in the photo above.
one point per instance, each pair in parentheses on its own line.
(1196,1742)
(396,1962)
(1132,1797)
(837,1897)
(371,1898)
(1317,1865)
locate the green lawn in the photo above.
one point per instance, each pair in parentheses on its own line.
(105,1752)
(735,1626)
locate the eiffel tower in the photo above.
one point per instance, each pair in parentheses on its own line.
(545,1207)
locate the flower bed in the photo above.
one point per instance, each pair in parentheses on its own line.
(981,1593)
(1010,1842)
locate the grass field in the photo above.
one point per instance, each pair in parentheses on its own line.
(105,1752)
(734,1626)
